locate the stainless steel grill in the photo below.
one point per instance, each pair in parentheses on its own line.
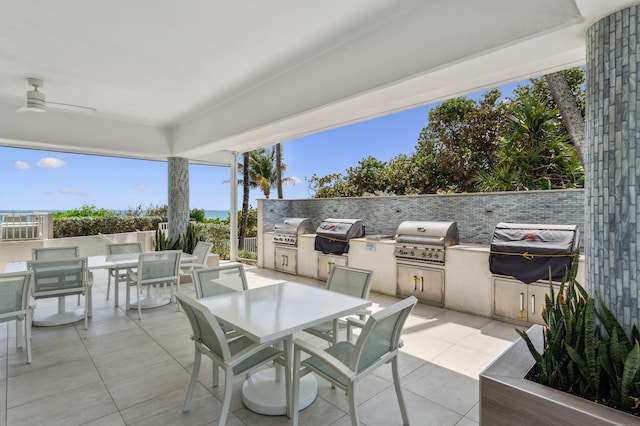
(426,242)
(420,254)
(333,235)
(287,231)
(530,252)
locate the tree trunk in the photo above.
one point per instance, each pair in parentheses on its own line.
(279,170)
(569,111)
(245,201)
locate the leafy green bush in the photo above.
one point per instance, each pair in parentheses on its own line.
(86,211)
(94,225)
(586,351)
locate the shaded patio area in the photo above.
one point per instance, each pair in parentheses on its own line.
(124,371)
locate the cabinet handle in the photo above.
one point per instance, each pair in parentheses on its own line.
(415,282)
(422,284)
(286,263)
(521,302)
(533,303)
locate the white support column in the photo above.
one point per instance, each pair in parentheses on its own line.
(233,209)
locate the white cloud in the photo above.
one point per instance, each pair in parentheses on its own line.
(293,180)
(139,186)
(51,163)
(72,191)
(21,165)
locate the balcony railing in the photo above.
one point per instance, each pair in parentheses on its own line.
(24,226)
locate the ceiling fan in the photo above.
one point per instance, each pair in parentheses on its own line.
(36,101)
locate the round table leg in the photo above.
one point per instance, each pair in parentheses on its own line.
(263,394)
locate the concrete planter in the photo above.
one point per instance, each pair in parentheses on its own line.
(507,398)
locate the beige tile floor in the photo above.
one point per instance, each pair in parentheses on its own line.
(122,371)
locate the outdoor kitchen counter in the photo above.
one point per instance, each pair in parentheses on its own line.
(468,281)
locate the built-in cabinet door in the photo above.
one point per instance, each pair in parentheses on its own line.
(426,284)
(286,260)
(536,295)
(326,261)
(510,299)
(517,301)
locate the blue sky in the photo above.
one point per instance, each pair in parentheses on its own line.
(44,180)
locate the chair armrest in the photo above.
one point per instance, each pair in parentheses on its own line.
(353,322)
(306,347)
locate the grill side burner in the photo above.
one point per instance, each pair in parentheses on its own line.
(528,252)
(333,235)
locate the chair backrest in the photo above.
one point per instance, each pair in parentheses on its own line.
(380,337)
(158,266)
(214,281)
(201,251)
(124,248)
(205,327)
(351,281)
(55,253)
(61,276)
(15,289)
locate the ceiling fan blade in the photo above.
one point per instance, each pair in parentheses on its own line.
(72,107)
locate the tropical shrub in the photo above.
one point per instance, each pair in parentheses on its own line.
(586,351)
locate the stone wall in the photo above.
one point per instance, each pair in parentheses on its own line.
(476,214)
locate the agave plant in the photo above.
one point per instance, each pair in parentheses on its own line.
(586,351)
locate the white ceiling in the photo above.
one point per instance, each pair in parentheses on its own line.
(204,78)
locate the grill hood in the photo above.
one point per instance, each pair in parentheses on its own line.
(529,252)
(424,233)
(333,235)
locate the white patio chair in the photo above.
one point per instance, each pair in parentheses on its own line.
(51,253)
(344,364)
(201,252)
(61,278)
(15,304)
(156,267)
(235,357)
(351,281)
(121,275)
(214,281)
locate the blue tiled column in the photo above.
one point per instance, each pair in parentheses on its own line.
(612,124)
(178,196)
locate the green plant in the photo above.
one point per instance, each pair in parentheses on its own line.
(186,242)
(586,351)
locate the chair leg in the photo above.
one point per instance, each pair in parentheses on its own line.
(228,385)
(352,404)
(19,324)
(193,381)
(295,388)
(27,332)
(288,345)
(396,384)
(109,282)
(215,373)
(139,297)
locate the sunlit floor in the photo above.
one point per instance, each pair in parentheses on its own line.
(124,371)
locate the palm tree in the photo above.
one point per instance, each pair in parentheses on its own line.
(279,170)
(245,200)
(263,170)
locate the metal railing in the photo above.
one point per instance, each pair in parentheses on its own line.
(23,226)
(251,244)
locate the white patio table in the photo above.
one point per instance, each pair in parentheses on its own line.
(272,312)
(119,261)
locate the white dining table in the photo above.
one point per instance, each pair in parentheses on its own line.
(117,261)
(271,313)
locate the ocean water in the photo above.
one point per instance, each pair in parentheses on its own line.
(208,214)
(216,214)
